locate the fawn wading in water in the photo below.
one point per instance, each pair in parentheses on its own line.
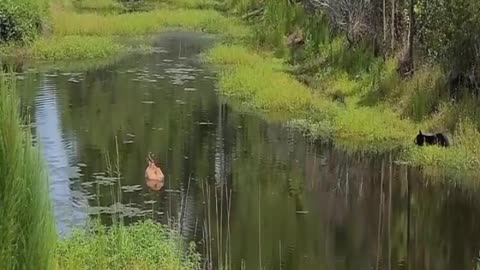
(153,175)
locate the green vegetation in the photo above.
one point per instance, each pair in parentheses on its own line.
(70,32)
(350,94)
(21,20)
(70,23)
(70,47)
(97,5)
(143,246)
(27,228)
(259,83)
(28,221)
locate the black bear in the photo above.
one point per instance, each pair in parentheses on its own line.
(432,139)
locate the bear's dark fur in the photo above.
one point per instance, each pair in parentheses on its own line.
(432,139)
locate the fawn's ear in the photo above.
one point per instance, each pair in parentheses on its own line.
(420,132)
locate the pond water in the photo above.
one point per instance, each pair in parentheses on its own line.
(251,194)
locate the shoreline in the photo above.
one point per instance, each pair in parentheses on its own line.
(256,80)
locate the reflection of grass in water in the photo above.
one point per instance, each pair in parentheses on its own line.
(28,230)
(213,227)
(144,245)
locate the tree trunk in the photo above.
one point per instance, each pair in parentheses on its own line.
(384,22)
(411,34)
(393,26)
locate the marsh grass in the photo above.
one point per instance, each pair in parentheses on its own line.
(71,47)
(95,35)
(217,248)
(463,155)
(27,224)
(378,115)
(259,84)
(145,245)
(81,35)
(69,23)
(98,5)
(191,4)
(378,110)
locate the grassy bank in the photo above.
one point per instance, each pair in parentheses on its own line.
(27,227)
(86,35)
(259,81)
(143,246)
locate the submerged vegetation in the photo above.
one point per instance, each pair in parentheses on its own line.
(27,226)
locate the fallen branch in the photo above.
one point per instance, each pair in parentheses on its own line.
(253,13)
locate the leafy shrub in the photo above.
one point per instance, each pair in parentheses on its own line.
(20,20)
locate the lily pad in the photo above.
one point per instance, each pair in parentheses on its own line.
(131,188)
(150,202)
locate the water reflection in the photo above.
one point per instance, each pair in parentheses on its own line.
(154,185)
(58,149)
(250,193)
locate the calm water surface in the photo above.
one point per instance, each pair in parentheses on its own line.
(249,193)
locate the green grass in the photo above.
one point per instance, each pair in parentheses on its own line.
(256,81)
(380,110)
(86,35)
(464,155)
(372,129)
(75,47)
(260,84)
(97,4)
(27,227)
(94,35)
(70,23)
(142,246)
(192,4)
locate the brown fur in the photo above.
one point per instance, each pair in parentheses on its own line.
(152,172)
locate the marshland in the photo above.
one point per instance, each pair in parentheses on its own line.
(239,134)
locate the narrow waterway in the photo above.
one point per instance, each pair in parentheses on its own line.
(251,194)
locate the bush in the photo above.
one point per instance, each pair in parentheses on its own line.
(20,20)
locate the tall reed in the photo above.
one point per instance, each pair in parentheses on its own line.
(27,228)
